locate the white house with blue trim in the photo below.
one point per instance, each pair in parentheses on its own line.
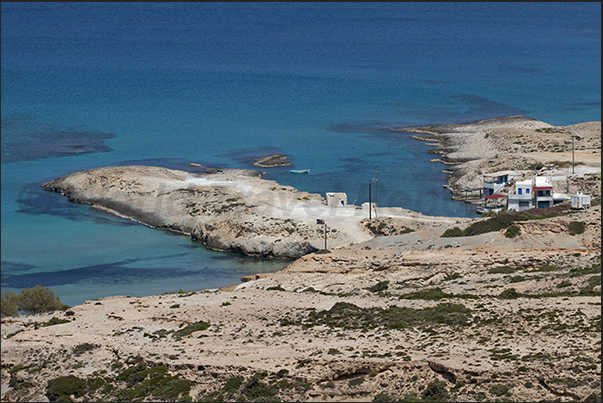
(520,198)
(494,182)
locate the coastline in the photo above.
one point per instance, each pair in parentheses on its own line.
(511,143)
(388,314)
(227,210)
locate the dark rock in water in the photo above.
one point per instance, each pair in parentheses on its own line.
(270,161)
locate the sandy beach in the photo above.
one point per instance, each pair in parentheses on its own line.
(392,309)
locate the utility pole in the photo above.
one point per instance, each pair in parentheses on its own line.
(573,153)
(376,190)
(376,187)
(370,208)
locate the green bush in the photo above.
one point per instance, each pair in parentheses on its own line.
(497,223)
(509,293)
(499,390)
(281,373)
(512,231)
(349,316)
(383,397)
(38,300)
(170,388)
(356,381)
(82,348)
(55,321)
(502,269)
(380,286)
(576,227)
(430,294)
(194,327)
(452,232)
(233,384)
(255,389)
(9,304)
(436,391)
(95,383)
(63,387)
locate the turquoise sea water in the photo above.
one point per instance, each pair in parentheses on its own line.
(96,84)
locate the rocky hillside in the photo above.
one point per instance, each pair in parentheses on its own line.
(413,316)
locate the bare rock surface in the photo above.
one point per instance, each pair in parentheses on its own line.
(516,143)
(475,318)
(226,210)
(392,310)
(271,161)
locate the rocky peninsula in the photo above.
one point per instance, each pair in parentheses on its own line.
(226,209)
(392,310)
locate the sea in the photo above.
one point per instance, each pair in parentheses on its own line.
(95,84)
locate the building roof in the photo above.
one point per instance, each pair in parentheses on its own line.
(500,173)
(494,196)
(547,187)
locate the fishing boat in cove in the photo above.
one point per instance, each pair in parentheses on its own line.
(300,171)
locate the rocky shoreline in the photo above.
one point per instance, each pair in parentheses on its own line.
(392,311)
(522,322)
(225,210)
(220,209)
(511,143)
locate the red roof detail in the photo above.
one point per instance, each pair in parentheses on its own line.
(494,197)
(542,187)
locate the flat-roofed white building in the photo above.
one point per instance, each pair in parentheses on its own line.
(337,199)
(580,201)
(493,182)
(543,192)
(520,198)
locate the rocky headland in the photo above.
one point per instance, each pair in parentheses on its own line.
(225,209)
(391,311)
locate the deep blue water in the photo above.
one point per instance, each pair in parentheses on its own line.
(95,84)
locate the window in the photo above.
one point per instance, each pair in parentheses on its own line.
(527,190)
(519,191)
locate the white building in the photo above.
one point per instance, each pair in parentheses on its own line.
(543,191)
(536,192)
(337,199)
(495,181)
(580,201)
(520,198)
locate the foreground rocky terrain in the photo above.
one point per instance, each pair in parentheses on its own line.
(393,310)
(480,318)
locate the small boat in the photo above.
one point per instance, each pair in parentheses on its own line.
(300,171)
